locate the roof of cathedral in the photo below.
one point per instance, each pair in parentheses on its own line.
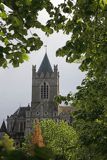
(65,109)
(21,112)
(45,66)
(3,128)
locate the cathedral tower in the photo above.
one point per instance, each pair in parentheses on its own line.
(45,83)
(45,86)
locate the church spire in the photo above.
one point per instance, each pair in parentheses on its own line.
(45,66)
(3,127)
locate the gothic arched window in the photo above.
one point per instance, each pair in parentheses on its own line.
(44,91)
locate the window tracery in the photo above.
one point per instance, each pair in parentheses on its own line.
(44,91)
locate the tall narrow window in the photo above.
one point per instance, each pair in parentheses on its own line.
(44,91)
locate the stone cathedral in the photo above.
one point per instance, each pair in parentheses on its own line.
(45,86)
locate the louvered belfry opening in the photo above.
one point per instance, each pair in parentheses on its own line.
(44,91)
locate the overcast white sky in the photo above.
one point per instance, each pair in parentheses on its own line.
(16,83)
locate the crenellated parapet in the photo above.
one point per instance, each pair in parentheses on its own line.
(47,75)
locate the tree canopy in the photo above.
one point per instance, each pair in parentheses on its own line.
(60,137)
(80,19)
(6,145)
(87,23)
(17,19)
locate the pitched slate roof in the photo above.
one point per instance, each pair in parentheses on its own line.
(21,112)
(45,66)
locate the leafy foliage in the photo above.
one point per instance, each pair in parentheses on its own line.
(16,23)
(34,147)
(17,154)
(60,137)
(86,21)
(42,153)
(6,145)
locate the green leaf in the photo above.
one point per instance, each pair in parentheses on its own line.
(3,15)
(1,7)
(25,57)
(15,21)
(28,2)
(6,41)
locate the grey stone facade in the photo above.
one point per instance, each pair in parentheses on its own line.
(45,86)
